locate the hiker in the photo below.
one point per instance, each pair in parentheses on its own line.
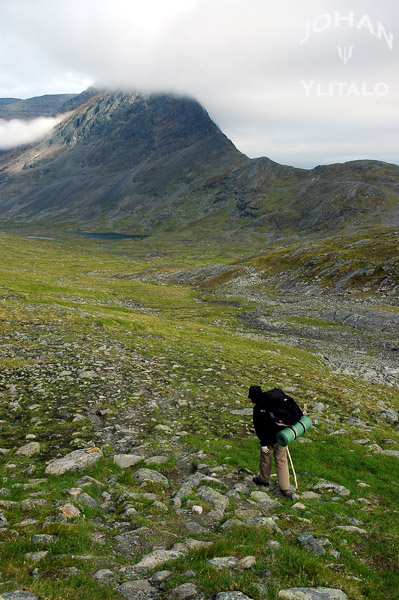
(267,424)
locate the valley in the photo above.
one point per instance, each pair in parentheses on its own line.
(138,353)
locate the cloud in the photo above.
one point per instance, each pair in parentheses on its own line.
(242,59)
(17,132)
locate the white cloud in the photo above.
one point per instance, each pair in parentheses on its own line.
(17,132)
(241,58)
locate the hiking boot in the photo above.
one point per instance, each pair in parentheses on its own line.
(284,492)
(259,482)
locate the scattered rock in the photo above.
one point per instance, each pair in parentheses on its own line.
(104,576)
(159,578)
(186,590)
(298,506)
(150,475)
(78,460)
(214,498)
(29,449)
(140,589)
(310,496)
(332,487)
(307,541)
(307,593)
(18,595)
(261,497)
(351,529)
(318,407)
(3,520)
(127,460)
(70,511)
(163,428)
(157,557)
(87,500)
(390,415)
(156,460)
(266,522)
(43,539)
(127,543)
(246,563)
(394,453)
(160,506)
(232,596)
(35,556)
(223,562)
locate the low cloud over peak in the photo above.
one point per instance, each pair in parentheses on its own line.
(18,132)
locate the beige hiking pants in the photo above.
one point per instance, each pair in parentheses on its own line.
(280,458)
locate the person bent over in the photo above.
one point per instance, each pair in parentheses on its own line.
(266,429)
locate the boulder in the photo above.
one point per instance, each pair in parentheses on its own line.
(70,511)
(150,475)
(78,460)
(214,498)
(29,449)
(157,557)
(125,461)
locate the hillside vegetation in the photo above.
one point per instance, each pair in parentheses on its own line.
(147,348)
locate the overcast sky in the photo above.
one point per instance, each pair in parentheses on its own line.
(303,83)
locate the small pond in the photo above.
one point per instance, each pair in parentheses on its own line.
(108,235)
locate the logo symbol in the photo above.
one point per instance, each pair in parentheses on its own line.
(347,20)
(345,53)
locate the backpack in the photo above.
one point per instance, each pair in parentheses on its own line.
(282,408)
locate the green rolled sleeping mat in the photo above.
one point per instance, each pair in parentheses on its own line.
(289,434)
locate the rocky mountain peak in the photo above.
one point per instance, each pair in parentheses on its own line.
(158,160)
(135,124)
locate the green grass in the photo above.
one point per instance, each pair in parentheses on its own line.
(73,305)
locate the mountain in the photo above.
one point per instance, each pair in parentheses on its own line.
(40,106)
(155,162)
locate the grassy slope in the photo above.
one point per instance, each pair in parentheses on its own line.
(53,291)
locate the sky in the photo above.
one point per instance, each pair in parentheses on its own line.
(304,83)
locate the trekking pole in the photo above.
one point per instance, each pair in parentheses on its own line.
(293,470)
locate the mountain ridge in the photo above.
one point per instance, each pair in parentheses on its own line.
(157,162)
(39,106)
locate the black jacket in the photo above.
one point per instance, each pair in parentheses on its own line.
(269,407)
(266,429)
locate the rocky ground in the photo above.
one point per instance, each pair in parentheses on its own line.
(355,334)
(127,470)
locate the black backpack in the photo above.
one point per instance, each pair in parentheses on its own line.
(282,408)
